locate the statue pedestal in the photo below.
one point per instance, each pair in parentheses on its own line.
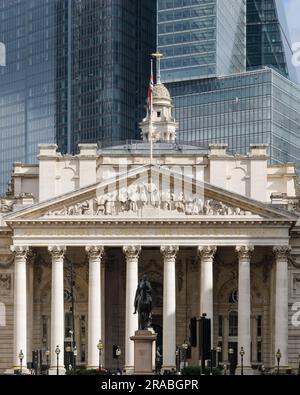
(143,340)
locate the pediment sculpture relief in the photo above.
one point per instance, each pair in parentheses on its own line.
(143,196)
(6,205)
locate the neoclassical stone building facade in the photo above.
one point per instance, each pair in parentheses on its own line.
(214,233)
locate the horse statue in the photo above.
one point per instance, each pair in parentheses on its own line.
(143,303)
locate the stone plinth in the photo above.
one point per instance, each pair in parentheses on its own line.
(143,340)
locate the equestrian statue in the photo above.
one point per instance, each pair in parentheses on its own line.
(143,303)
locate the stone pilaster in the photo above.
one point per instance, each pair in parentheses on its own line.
(169,307)
(131,324)
(20,305)
(244,306)
(206,255)
(57,308)
(281,304)
(94,310)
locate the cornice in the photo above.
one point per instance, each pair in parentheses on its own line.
(130,221)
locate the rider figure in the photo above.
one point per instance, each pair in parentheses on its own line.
(139,293)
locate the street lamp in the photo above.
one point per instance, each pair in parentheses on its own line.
(242,353)
(118,354)
(100,348)
(47,353)
(185,346)
(231,352)
(278,357)
(21,357)
(57,352)
(218,350)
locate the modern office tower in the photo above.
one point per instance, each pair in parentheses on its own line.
(238,109)
(27,81)
(106,72)
(268,42)
(76,71)
(255,107)
(201,38)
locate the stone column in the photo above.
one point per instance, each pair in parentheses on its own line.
(131,324)
(57,308)
(30,303)
(94,312)
(169,307)
(244,305)
(103,304)
(20,305)
(281,304)
(206,255)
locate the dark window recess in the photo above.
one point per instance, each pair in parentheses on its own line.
(233,323)
(259,326)
(259,353)
(220,328)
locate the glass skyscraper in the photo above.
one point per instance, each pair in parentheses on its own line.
(201,38)
(250,108)
(27,80)
(106,72)
(76,71)
(268,41)
(214,105)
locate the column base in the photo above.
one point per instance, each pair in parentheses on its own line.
(247,371)
(17,369)
(53,371)
(282,369)
(128,370)
(168,369)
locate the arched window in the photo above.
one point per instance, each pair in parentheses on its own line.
(233,323)
(233,297)
(2,314)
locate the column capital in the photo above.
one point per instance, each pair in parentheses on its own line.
(20,251)
(95,252)
(207,252)
(57,252)
(244,252)
(132,252)
(281,252)
(169,252)
(31,256)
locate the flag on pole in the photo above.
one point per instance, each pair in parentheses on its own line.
(150,90)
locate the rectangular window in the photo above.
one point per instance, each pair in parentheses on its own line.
(259,348)
(44,329)
(68,324)
(220,327)
(82,337)
(2,54)
(233,323)
(259,325)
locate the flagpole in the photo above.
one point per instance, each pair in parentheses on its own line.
(150,122)
(157,56)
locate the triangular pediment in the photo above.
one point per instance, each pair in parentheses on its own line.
(149,192)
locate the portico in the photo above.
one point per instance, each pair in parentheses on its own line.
(172,242)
